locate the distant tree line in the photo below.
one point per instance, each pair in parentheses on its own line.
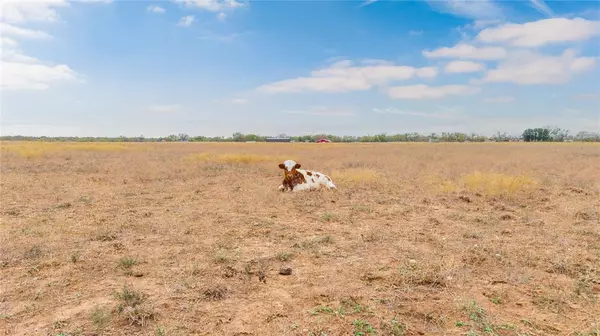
(541,134)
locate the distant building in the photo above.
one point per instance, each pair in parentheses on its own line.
(278,139)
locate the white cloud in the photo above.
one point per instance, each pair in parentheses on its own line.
(165,108)
(527,68)
(6,42)
(155,9)
(481,9)
(421,91)
(541,6)
(34,76)
(94,1)
(23,72)
(212,5)
(501,99)
(221,16)
(18,11)
(463,67)
(8,29)
(542,32)
(322,111)
(467,51)
(186,21)
(343,77)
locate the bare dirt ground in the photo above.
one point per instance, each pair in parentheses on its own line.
(189,239)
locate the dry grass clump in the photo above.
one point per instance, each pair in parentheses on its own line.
(497,184)
(489,184)
(231,158)
(31,150)
(355,175)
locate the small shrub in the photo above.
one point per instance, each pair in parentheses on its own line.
(126,264)
(100,318)
(362,328)
(328,217)
(131,304)
(284,256)
(217,292)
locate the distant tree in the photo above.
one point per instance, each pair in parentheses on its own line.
(501,137)
(558,134)
(587,136)
(381,137)
(537,134)
(251,137)
(238,137)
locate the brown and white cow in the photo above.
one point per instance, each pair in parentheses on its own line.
(295,179)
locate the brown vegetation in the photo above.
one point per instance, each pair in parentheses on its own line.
(191,238)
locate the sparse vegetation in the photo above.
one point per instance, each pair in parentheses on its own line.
(200,234)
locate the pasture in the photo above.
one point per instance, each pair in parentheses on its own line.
(189,239)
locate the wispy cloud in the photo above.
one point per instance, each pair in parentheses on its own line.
(212,5)
(530,68)
(478,10)
(541,32)
(155,9)
(467,51)
(422,91)
(322,111)
(227,38)
(542,7)
(221,16)
(367,2)
(501,100)
(342,76)
(11,30)
(446,114)
(186,21)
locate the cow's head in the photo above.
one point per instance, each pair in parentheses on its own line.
(289,167)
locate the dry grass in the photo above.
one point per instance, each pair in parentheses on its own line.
(189,239)
(355,175)
(231,158)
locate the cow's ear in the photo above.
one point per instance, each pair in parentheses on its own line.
(281,166)
(297,166)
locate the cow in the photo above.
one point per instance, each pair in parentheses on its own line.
(295,179)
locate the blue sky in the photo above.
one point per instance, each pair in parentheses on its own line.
(208,67)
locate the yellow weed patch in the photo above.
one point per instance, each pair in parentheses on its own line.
(491,184)
(496,184)
(38,149)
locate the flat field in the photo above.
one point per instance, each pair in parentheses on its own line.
(189,239)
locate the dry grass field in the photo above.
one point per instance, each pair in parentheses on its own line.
(189,239)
